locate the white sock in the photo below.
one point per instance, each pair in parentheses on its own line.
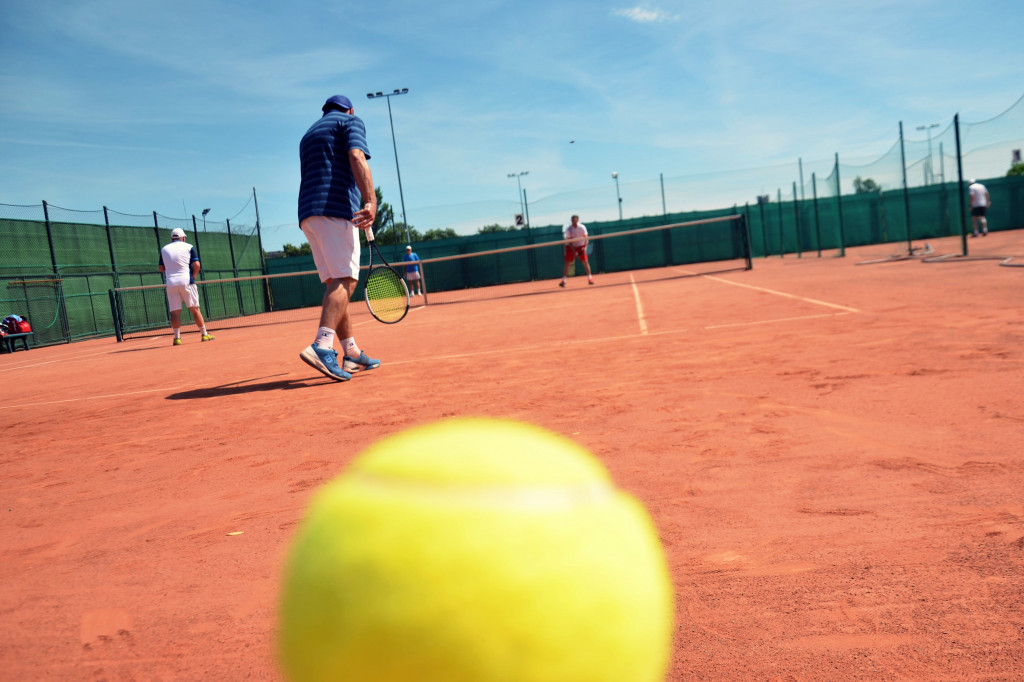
(324,337)
(177,332)
(350,347)
(202,330)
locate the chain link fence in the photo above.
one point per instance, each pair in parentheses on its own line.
(58,265)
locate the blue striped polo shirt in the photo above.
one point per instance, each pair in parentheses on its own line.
(328,186)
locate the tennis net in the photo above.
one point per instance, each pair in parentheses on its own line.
(662,252)
(224,303)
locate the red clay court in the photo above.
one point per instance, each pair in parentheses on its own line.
(832,454)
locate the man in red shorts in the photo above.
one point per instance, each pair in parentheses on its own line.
(576,235)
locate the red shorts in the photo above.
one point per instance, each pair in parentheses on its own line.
(575,252)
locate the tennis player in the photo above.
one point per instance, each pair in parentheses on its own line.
(335,178)
(412,272)
(576,233)
(180,264)
(980,201)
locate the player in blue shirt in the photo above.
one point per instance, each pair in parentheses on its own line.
(336,178)
(412,272)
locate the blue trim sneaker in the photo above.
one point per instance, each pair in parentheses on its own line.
(361,363)
(324,360)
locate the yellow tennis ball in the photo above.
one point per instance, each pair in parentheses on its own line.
(475,550)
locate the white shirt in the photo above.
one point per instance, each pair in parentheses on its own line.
(979,195)
(177,258)
(577,234)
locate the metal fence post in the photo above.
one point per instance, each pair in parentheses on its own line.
(796,219)
(782,231)
(960,185)
(110,246)
(839,205)
(234,268)
(817,217)
(906,194)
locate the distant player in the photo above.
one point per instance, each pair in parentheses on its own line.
(412,272)
(980,201)
(180,264)
(576,233)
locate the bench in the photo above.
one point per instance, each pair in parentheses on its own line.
(9,340)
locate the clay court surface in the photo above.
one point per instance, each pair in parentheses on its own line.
(833,455)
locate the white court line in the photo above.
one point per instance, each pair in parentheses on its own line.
(783,294)
(91,397)
(639,307)
(502,351)
(76,356)
(781,319)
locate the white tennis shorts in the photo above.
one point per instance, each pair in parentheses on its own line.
(178,294)
(335,246)
(412,276)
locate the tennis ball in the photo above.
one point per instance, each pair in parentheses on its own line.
(475,550)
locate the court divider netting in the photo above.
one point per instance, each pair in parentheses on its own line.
(704,246)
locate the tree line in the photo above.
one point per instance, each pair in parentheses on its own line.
(388,231)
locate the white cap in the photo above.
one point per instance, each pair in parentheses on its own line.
(971,181)
(408,248)
(177,233)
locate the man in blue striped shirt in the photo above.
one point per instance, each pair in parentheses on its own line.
(336,178)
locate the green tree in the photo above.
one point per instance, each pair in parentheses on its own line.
(487,229)
(1015,170)
(439,233)
(865,186)
(385,214)
(301,250)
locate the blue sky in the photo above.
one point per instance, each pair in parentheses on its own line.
(175,107)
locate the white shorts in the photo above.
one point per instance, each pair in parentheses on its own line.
(178,294)
(335,246)
(412,276)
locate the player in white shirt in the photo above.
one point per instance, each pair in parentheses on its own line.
(980,201)
(576,233)
(180,264)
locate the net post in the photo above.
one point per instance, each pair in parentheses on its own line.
(115,315)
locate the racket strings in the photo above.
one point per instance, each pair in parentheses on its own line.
(386,295)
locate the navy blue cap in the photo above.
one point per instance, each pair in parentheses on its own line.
(338,101)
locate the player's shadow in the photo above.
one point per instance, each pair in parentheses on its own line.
(249,386)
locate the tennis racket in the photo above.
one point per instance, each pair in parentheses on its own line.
(386,294)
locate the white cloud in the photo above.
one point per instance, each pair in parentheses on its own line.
(644,15)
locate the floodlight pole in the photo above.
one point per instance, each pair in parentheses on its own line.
(929,175)
(401,196)
(522,206)
(615,177)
